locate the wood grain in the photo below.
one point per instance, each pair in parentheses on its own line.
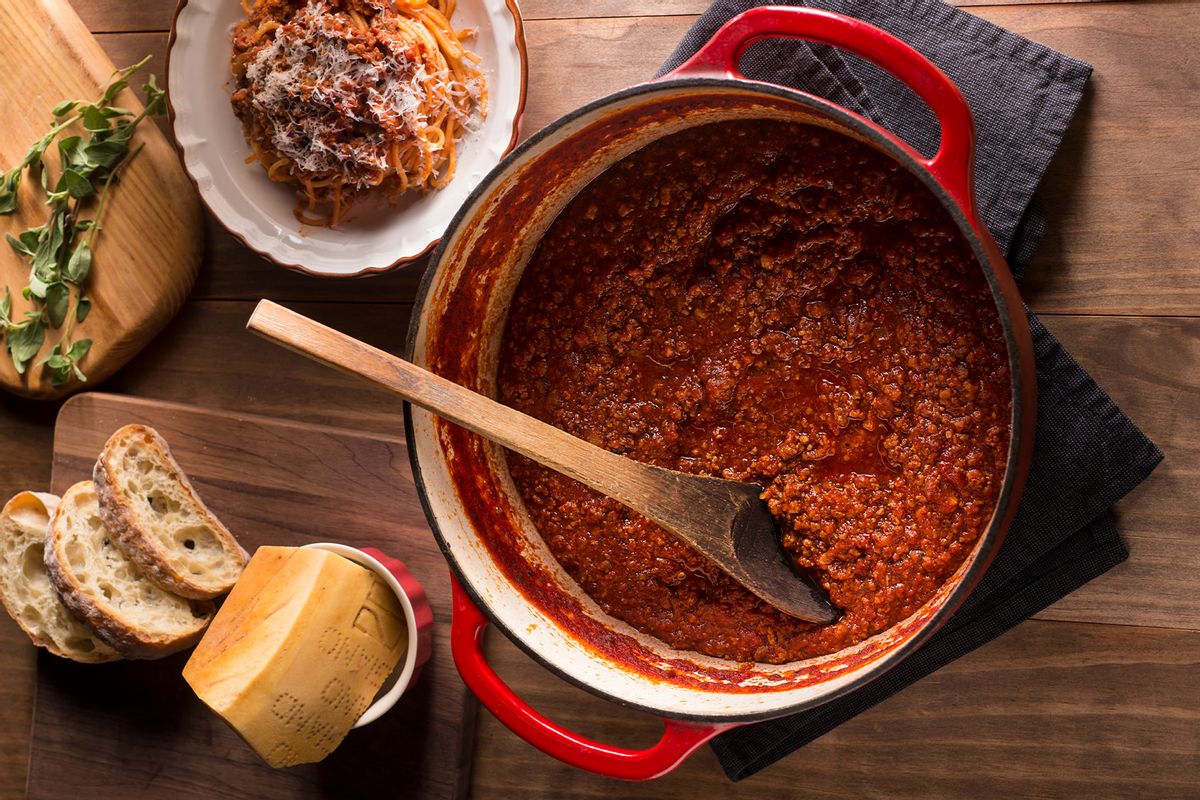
(122,16)
(19,663)
(207,357)
(1121,195)
(1109,250)
(147,258)
(26,433)
(1050,710)
(1151,367)
(1053,709)
(131,727)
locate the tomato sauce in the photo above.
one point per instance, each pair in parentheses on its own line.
(769,302)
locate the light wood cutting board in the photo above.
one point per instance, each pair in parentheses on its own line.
(135,729)
(148,254)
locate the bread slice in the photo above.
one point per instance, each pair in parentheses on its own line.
(25,588)
(158,520)
(102,587)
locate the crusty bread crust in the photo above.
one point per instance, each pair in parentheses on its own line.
(99,652)
(123,636)
(142,546)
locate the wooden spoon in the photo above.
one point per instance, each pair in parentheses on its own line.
(725,520)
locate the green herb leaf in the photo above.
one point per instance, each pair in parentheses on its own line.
(79,264)
(105,153)
(31,236)
(84,225)
(68,146)
(59,367)
(26,244)
(122,133)
(94,119)
(45,259)
(63,366)
(6,308)
(64,108)
(24,343)
(114,89)
(8,191)
(115,111)
(77,185)
(72,155)
(36,288)
(79,349)
(18,245)
(82,308)
(58,303)
(156,102)
(34,154)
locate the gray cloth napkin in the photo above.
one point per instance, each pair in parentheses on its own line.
(1087,453)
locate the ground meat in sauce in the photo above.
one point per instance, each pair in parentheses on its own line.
(770,302)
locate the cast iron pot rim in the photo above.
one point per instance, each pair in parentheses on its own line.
(993,537)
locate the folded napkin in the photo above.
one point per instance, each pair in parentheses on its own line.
(1087,453)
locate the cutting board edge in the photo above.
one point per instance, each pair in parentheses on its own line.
(73,403)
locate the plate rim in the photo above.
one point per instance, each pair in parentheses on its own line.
(515,126)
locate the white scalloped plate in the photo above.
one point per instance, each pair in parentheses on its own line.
(376,236)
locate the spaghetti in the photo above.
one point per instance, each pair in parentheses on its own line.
(341,96)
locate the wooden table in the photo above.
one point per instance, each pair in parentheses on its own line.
(1097,696)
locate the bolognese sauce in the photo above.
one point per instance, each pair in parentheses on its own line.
(769,302)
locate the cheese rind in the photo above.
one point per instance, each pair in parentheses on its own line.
(297,652)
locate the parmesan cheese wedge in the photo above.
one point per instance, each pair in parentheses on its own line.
(298,651)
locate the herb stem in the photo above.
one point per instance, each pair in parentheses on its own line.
(62,126)
(59,127)
(127,71)
(60,251)
(101,202)
(90,236)
(69,324)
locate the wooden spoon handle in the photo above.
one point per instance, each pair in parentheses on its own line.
(723,519)
(648,490)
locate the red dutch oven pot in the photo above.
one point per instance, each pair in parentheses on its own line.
(503,572)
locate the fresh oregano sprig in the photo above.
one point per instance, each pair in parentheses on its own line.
(60,252)
(63,359)
(118,81)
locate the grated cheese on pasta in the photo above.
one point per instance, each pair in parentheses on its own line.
(332,105)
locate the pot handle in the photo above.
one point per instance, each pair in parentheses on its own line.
(678,741)
(954,163)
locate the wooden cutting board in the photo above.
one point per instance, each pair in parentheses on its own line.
(134,729)
(148,254)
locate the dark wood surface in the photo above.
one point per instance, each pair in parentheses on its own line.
(1097,697)
(136,729)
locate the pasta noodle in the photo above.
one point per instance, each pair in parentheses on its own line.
(342,96)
